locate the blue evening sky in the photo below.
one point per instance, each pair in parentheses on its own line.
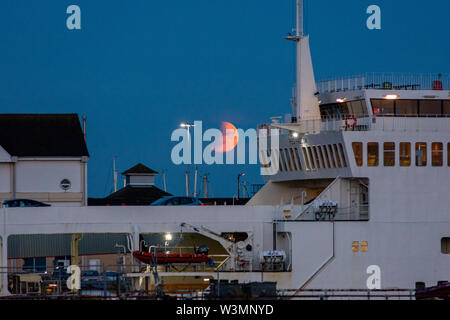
(138,68)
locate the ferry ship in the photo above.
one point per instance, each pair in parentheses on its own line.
(367,160)
(359,201)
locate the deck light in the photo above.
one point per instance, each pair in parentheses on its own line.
(168,237)
(341,100)
(391,96)
(294,134)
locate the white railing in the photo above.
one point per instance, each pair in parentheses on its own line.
(435,123)
(386,81)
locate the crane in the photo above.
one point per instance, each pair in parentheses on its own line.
(239,253)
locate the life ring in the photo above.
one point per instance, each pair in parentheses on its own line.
(353,122)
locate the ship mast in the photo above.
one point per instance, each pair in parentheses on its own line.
(305,102)
(299,36)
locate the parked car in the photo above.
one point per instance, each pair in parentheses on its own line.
(90,279)
(177,201)
(110,277)
(22,203)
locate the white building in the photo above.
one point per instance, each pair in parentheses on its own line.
(43,157)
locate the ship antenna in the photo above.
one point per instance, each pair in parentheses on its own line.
(299,28)
(305,103)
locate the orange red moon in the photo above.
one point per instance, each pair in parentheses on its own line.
(230,137)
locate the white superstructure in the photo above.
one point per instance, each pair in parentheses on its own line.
(363,184)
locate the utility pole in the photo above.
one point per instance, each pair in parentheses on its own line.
(164,180)
(195,181)
(238,183)
(115,174)
(205,185)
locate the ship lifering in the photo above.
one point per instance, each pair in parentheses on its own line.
(350,121)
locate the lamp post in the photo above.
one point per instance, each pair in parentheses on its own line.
(238,182)
(187,125)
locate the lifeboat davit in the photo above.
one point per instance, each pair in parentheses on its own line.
(171,258)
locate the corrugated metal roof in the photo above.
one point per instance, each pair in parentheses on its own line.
(52,245)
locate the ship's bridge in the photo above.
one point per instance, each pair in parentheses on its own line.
(369,127)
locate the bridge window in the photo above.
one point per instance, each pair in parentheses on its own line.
(358,152)
(311,158)
(448,154)
(358,108)
(372,154)
(325,152)
(383,107)
(430,107)
(316,157)
(341,149)
(436,154)
(445,245)
(421,154)
(405,154)
(389,154)
(288,159)
(294,159)
(280,156)
(305,157)
(407,107)
(336,152)
(446,107)
(319,149)
(330,150)
(298,156)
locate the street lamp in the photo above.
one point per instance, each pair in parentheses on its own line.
(187,125)
(239,189)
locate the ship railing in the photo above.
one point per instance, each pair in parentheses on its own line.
(386,81)
(398,123)
(353,213)
(342,294)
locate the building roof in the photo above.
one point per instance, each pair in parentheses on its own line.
(139,169)
(42,135)
(131,196)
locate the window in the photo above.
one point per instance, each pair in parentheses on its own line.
(298,155)
(316,157)
(357,151)
(389,154)
(421,154)
(357,108)
(313,165)
(325,152)
(341,149)
(288,160)
(372,154)
(430,107)
(407,107)
(448,154)
(297,159)
(445,245)
(436,154)
(383,107)
(446,107)
(405,154)
(278,153)
(305,157)
(319,149)
(330,150)
(336,152)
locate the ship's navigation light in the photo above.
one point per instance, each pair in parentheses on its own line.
(391,96)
